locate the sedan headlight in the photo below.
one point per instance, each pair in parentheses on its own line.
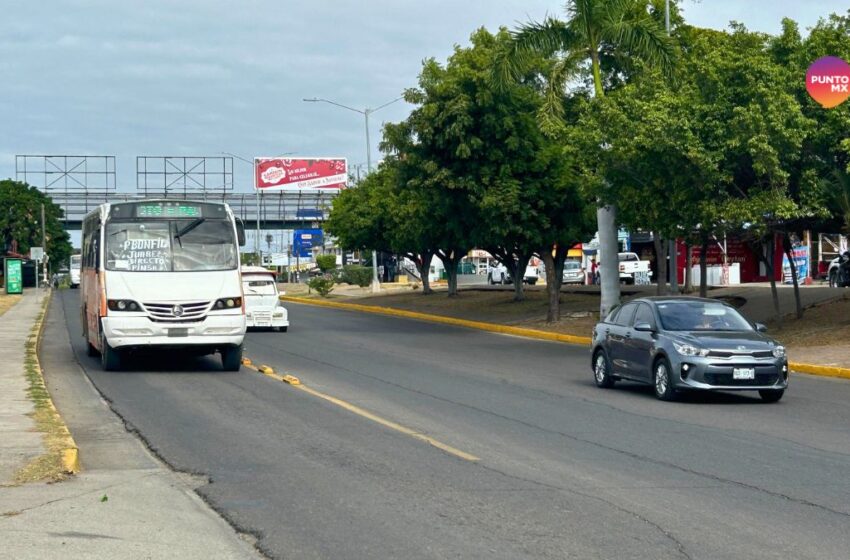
(779,352)
(689,350)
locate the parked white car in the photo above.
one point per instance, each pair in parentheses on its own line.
(263,308)
(573,273)
(498,274)
(630,265)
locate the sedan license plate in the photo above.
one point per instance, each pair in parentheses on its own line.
(743,373)
(182,332)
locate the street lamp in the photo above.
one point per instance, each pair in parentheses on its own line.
(376,284)
(257,192)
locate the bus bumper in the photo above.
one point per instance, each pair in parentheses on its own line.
(139,331)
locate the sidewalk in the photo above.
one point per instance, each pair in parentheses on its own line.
(20,443)
(125,503)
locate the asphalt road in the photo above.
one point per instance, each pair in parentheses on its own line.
(565,470)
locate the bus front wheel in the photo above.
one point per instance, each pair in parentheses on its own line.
(110,358)
(231,358)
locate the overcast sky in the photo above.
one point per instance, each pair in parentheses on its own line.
(198,77)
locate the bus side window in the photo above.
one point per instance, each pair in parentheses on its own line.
(95,243)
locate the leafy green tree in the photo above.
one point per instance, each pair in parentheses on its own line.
(598,31)
(20,221)
(326,263)
(754,124)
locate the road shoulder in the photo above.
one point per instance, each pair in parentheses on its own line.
(125,503)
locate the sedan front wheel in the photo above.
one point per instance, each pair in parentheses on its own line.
(602,371)
(662,381)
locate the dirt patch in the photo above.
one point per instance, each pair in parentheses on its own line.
(7,301)
(822,336)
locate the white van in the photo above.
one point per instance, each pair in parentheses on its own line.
(263,307)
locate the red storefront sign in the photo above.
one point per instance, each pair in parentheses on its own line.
(737,251)
(276,174)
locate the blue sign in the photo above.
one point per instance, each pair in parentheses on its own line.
(304,240)
(801,263)
(315,213)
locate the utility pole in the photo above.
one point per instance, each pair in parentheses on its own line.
(674,245)
(43,247)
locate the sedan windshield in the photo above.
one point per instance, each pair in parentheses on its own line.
(571,265)
(259,287)
(700,316)
(170,246)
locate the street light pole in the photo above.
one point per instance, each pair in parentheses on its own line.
(376,284)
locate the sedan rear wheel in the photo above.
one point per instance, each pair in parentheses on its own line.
(602,371)
(662,382)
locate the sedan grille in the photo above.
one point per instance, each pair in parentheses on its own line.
(747,353)
(177,311)
(726,379)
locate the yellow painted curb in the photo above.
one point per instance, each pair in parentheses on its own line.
(268,370)
(827,371)
(71,453)
(246,361)
(503,329)
(812,369)
(291,379)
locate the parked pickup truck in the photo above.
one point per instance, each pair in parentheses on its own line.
(498,274)
(630,266)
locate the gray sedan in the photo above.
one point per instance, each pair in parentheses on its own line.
(687,343)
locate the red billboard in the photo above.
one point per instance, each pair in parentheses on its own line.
(279,174)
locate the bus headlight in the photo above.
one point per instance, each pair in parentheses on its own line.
(122,305)
(228,303)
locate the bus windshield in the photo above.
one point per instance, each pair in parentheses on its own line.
(76,260)
(170,245)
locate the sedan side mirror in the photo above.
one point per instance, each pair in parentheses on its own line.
(644,327)
(760,327)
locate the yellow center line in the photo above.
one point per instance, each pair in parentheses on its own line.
(294,382)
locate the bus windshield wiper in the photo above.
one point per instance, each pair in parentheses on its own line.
(187,228)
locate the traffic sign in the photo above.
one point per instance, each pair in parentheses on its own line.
(37,253)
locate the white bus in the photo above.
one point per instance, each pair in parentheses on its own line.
(162,274)
(74,270)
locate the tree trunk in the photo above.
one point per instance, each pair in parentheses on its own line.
(609,270)
(788,249)
(689,280)
(515,262)
(554,278)
(451,259)
(660,264)
(423,265)
(703,266)
(771,266)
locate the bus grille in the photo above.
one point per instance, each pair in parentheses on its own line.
(177,311)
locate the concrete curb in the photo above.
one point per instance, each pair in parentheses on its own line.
(503,329)
(825,371)
(811,369)
(70,453)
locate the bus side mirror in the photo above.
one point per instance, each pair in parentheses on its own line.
(240,232)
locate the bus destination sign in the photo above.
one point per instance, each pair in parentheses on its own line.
(168,210)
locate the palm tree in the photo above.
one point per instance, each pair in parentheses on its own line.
(594,30)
